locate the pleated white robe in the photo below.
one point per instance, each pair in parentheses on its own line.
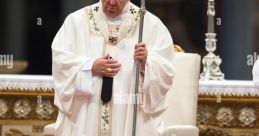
(77,91)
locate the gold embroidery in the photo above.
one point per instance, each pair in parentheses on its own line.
(93,23)
(92,12)
(105,119)
(112,35)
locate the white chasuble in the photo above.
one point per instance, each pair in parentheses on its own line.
(82,39)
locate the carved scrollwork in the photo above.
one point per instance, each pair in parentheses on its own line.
(44,109)
(3,108)
(224,116)
(203,114)
(22,108)
(213,132)
(247,116)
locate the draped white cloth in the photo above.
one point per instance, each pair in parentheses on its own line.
(77,91)
(256,73)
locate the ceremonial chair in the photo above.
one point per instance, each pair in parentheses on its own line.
(49,130)
(182,99)
(180,116)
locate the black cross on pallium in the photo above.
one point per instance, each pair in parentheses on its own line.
(96,8)
(112,39)
(133,11)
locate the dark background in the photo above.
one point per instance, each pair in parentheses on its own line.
(23,36)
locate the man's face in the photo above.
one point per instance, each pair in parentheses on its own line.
(113,8)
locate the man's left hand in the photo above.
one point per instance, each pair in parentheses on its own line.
(141,54)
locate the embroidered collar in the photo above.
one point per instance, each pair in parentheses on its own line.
(98,25)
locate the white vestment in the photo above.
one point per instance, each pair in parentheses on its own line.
(77,91)
(256,73)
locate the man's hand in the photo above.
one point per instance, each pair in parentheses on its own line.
(141,54)
(105,67)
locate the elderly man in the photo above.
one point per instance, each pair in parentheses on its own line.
(93,69)
(256,73)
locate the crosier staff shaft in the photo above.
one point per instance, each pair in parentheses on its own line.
(135,110)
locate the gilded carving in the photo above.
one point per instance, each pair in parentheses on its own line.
(3,108)
(247,117)
(22,108)
(44,109)
(203,114)
(224,116)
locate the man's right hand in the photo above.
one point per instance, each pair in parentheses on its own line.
(105,67)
